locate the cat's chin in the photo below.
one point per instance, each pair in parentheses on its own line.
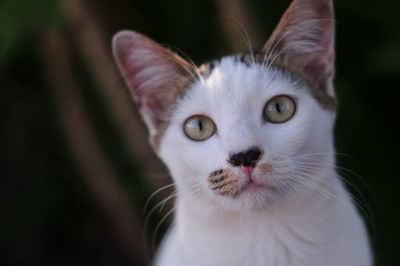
(257,197)
(252,187)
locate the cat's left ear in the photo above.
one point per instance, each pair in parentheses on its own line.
(303,42)
(155,76)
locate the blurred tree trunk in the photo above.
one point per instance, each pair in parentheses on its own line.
(94,46)
(238,25)
(101,178)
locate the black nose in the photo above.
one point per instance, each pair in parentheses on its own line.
(248,158)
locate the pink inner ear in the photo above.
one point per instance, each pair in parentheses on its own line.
(318,71)
(132,52)
(321,69)
(152,73)
(306,34)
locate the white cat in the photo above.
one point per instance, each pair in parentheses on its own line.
(248,141)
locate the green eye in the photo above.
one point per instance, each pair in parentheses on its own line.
(279,109)
(199,127)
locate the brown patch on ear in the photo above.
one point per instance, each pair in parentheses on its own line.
(303,42)
(224,182)
(155,76)
(155,139)
(326,101)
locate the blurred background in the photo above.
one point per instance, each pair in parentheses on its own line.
(75,167)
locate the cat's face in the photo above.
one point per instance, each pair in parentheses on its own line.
(241,105)
(241,133)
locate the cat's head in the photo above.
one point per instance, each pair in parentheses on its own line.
(246,129)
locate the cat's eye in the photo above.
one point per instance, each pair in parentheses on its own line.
(279,109)
(199,127)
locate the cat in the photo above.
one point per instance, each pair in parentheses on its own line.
(248,141)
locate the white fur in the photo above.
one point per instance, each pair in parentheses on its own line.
(304,225)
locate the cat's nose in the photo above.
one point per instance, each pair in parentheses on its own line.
(247,159)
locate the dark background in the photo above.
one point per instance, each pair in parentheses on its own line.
(75,167)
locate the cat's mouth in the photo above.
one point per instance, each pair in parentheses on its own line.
(232,182)
(253,186)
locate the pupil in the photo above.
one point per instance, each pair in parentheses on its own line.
(278,107)
(201,125)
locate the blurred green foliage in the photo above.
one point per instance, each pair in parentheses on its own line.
(19,19)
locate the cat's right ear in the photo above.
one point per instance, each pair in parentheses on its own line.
(155,75)
(303,42)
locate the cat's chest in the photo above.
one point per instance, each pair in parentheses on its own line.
(254,246)
(328,234)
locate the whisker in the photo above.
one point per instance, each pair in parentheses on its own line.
(275,43)
(305,192)
(245,36)
(305,180)
(154,194)
(362,205)
(342,173)
(271,49)
(147,220)
(161,203)
(324,153)
(281,52)
(185,55)
(154,236)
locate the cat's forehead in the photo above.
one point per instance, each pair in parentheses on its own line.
(233,72)
(232,81)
